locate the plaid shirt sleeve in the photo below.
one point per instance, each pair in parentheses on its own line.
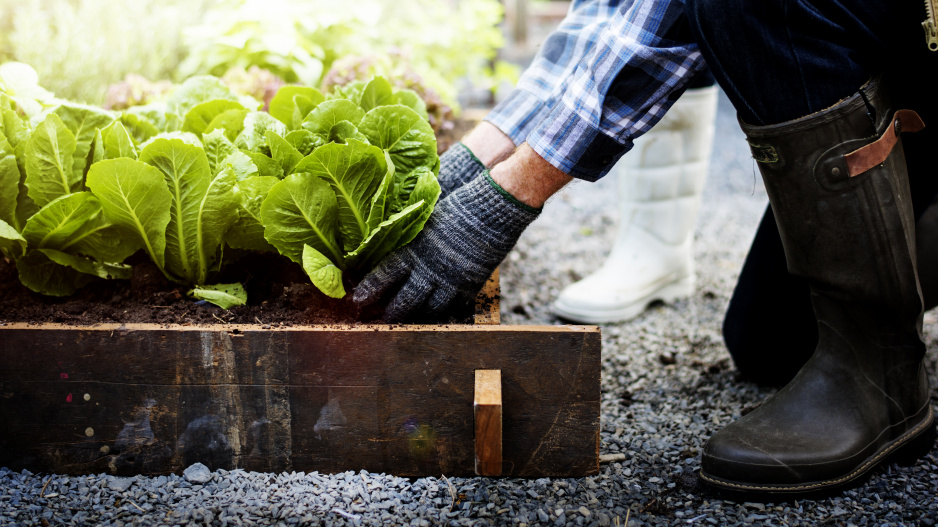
(544,80)
(642,59)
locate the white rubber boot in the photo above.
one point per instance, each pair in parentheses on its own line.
(660,181)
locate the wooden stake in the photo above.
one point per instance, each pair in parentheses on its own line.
(487,408)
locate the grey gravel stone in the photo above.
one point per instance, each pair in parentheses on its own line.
(119,484)
(197,473)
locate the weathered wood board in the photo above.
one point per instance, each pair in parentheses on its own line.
(148,399)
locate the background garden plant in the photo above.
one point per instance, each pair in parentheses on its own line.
(80,47)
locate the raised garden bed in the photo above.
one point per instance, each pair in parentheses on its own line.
(152,398)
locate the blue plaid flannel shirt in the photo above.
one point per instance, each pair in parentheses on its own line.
(607,74)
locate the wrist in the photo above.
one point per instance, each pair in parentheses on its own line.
(488,144)
(507,195)
(528,178)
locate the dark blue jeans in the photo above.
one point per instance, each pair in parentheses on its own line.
(779,60)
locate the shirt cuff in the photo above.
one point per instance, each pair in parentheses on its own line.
(575,146)
(517,115)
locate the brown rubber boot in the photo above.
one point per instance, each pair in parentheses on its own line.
(846,224)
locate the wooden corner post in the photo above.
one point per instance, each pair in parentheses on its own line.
(487,409)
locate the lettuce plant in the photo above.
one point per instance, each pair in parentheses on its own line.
(50,225)
(366,188)
(334,182)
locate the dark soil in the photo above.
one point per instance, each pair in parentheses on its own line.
(279,294)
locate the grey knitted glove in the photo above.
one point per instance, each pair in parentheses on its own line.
(445,266)
(458,166)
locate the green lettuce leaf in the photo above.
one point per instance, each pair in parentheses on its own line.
(385,238)
(135,198)
(304,141)
(25,206)
(84,122)
(195,91)
(427,190)
(9,182)
(107,271)
(292,104)
(242,164)
(378,92)
(217,147)
(410,99)
(118,142)
(202,207)
(380,203)
(186,137)
(401,227)
(322,119)
(351,92)
(76,224)
(342,132)
(254,135)
(231,122)
(403,186)
(138,126)
(323,273)
(157,116)
(12,244)
(355,172)
(407,137)
(49,160)
(248,231)
(301,210)
(38,272)
(224,296)
(283,152)
(266,166)
(202,115)
(96,153)
(13,127)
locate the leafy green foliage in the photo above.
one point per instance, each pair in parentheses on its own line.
(80,47)
(49,153)
(324,274)
(224,296)
(202,207)
(436,42)
(333,182)
(135,198)
(367,191)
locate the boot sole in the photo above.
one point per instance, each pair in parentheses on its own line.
(682,288)
(905,450)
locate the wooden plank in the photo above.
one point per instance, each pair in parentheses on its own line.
(149,399)
(487,411)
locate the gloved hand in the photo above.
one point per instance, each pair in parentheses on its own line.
(458,166)
(445,266)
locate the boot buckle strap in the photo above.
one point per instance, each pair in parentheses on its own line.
(875,153)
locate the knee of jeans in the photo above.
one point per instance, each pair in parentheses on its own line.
(716,21)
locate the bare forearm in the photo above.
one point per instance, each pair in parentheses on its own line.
(528,177)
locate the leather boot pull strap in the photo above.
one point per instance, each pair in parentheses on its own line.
(875,153)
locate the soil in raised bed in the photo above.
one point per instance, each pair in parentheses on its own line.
(279,294)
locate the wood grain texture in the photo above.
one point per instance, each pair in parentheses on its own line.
(487,411)
(148,399)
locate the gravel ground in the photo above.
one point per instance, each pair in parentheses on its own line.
(667,386)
